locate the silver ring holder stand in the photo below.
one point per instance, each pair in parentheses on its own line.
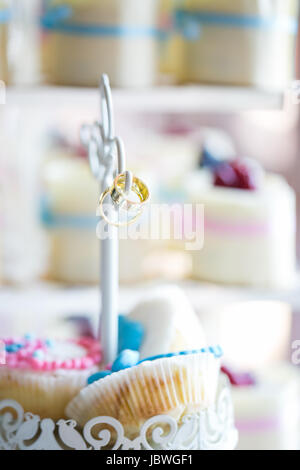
(212,429)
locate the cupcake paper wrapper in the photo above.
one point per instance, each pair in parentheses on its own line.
(44,394)
(173,386)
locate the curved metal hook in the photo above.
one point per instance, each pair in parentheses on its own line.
(119,144)
(99,138)
(106,108)
(94,159)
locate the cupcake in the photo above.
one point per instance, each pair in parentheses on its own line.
(173,385)
(43,375)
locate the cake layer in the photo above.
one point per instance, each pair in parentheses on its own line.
(249,235)
(267,414)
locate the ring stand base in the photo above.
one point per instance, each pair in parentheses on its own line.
(212,429)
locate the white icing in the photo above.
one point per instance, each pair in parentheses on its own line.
(63,351)
(263,256)
(170,323)
(268,413)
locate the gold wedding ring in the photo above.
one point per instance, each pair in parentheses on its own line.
(122,201)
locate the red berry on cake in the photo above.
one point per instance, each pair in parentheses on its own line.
(239,174)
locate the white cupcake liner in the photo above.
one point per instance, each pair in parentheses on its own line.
(174,386)
(43,393)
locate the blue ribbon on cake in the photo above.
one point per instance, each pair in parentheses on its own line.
(189,22)
(5,16)
(58,19)
(51,220)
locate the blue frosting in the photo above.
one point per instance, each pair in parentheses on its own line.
(13,348)
(129,358)
(131,334)
(29,336)
(98,376)
(215,350)
(125,359)
(38,354)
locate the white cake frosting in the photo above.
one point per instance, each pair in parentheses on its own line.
(267,414)
(170,323)
(249,235)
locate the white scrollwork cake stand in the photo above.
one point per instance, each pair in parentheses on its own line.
(212,429)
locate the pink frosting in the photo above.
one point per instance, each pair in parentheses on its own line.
(258,425)
(247,229)
(23,353)
(190,223)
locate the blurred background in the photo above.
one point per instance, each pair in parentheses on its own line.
(207,101)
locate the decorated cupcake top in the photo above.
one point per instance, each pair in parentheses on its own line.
(129,358)
(47,355)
